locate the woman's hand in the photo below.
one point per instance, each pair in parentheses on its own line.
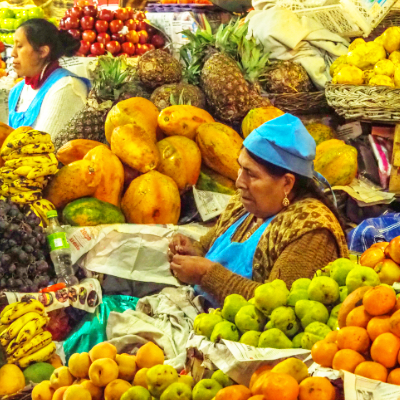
(190,269)
(182,245)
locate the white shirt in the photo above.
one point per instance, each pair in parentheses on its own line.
(63,100)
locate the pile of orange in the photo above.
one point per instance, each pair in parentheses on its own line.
(369,344)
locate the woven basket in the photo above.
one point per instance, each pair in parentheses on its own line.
(392,19)
(24,394)
(299,103)
(370,103)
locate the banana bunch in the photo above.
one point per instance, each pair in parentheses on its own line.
(29,160)
(22,333)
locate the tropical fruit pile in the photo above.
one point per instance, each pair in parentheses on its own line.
(23,334)
(279,318)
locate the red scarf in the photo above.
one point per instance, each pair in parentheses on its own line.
(37,81)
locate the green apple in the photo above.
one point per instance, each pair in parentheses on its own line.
(284,318)
(361,276)
(136,393)
(187,380)
(21,14)
(309,311)
(159,378)
(206,389)
(343,293)
(6,13)
(222,379)
(204,324)
(249,318)
(251,338)
(275,339)
(177,391)
(340,269)
(302,284)
(35,12)
(232,304)
(271,295)
(225,330)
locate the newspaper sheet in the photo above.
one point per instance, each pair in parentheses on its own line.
(210,204)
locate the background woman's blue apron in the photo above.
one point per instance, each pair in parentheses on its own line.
(28,118)
(234,256)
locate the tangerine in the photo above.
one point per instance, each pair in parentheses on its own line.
(347,360)
(380,245)
(353,338)
(358,317)
(316,388)
(258,384)
(234,392)
(280,386)
(257,397)
(394,377)
(377,326)
(331,337)
(385,349)
(323,353)
(371,257)
(258,373)
(372,370)
(379,300)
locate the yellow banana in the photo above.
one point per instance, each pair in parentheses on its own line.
(34,161)
(22,171)
(22,139)
(26,197)
(12,346)
(8,174)
(3,197)
(21,308)
(31,328)
(7,308)
(28,184)
(42,206)
(3,328)
(39,341)
(41,355)
(29,149)
(8,190)
(49,169)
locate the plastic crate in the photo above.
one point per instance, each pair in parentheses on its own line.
(349,18)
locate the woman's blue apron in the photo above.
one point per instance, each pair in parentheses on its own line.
(28,118)
(234,256)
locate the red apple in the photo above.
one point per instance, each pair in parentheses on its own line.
(128,48)
(87,22)
(101,26)
(76,12)
(62,24)
(118,37)
(90,11)
(85,47)
(89,36)
(157,41)
(141,25)
(143,37)
(150,29)
(103,38)
(116,26)
(97,49)
(106,15)
(131,24)
(75,33)
(132,37)
(122,14)
(71,23)
(113,47)
(140,15)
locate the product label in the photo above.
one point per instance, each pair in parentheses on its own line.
(58,241)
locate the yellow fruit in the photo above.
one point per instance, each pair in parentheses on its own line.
(384,67)
(350,75)
(340,61)
(103,350)
(61,377)
(127,366)
(12,379)
(320,132)
(103,371)
(141,378)
(115,389)
(42,391)
(77,392)
(95,391)
(257,117)
(357,42)
(149,355)
(293,367)
(381,80)
(397,76)
(395,57)
(391,39)
(368,74)
(365,56)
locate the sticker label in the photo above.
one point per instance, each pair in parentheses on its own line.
(58,241)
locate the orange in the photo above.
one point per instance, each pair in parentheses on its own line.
(396,306)
(372,370)
(380,245)
(394,377)
(377,326)
(353,338)
(258,385)
(258,373)
(331,337)
(385,349)
(149,355)
(358,317)
(347,360)
(323,352)
(257,397)
(235,392)
(316,388)
(371,257)
(395,323)
(379,300)
(280,386)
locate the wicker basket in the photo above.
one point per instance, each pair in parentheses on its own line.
(370,103)
(300,103)
(24,394)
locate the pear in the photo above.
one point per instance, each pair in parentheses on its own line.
(323,289)
(206,389)
(225,330)
(296,295)
(249,318)
(251,338)
(136,393)
(297,340)
(314,332)
(275,339)
(340,268)
(232,304)
(204,324)
(300,284)
(361,276)
(271,295)
(343,293)
(284,318)
(309,311)
(222,379)
(159,378)
(177,391)
(333,318)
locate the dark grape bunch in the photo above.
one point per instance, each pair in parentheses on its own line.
(23,250)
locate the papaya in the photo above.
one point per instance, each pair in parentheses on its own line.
(220,146)
(135,147)
(320,132)
(136,110)
(75,150)
(182,120)
(336,161)
(90,211)
(257,117)
(152,198)
(180,160)
(112,174)
(211,181)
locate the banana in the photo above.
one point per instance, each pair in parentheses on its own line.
(26,197)
(24,349)
(42,206)
(44,170)
(12,346)
(22,171)
(3,328)
(30,149)
(14,142)
(31,328)
(8,190)
(7,308)
(41,355)
(28,184)
(34,161)
(9,174)
(21,308)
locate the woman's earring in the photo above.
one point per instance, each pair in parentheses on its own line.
(285,201)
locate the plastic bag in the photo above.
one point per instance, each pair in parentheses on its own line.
(92,329)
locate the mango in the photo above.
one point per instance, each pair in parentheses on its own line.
(38,372)
(12,379)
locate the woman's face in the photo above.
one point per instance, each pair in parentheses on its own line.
(262,194)
(27,62)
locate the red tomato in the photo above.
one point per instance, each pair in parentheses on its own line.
(133,37)
(75,33)
(87,22)
(85,47)
(71,23)
(150,46)
(131,24)
(143,37)
(116,26)
(141,49)
(90,11)
(128,48)
(118,37)
(106,15)
(140,15)
(76,12)
(131,12)
(67,14)
(157,41)
(101,26)
(89,36)
(122,14)
(141,25)
(103,38)
(113,47)
(62,24)
(97,49)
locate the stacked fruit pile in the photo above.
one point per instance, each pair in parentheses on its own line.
(100,31)
(279,318)
(22,333)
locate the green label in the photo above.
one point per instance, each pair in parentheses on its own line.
(58,241)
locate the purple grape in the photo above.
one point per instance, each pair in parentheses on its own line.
(11,283)
(12,268)
(3,283)
(28,248)
(18,282)
(42,266)
(5,260)
(23,257)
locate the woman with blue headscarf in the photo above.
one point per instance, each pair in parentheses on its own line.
(279,225)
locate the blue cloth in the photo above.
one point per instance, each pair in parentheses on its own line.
(374,230)
(28,118)
(285,142)
(234,256)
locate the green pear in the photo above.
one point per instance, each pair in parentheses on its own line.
(270,296)
(333,318)
(222,379)
(297,340)
(308,340)
(186,379)
(159,378)
(204,324)
(300,284)
(308,311)
(206,389)
(361,276)
(314,332)
(225,330)
(249,318)
(177,391)
(340,269)
(343,293)
(275,339)
(232,304)
(323,289)
(296,295)
(252,301)
(251,338)
(285,320)
(326,271)
(136,393)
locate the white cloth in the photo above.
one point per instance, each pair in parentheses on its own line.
(303,40)
(63,100)
(165,319)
